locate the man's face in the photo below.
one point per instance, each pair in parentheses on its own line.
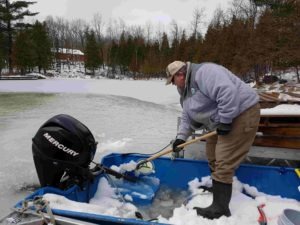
(179,80)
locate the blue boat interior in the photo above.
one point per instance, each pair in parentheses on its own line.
(176,174)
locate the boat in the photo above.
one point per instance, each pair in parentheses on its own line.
(54,160)
(272,180)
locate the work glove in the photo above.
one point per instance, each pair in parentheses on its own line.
(223,128)
(176,143)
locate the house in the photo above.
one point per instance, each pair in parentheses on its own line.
(67,54)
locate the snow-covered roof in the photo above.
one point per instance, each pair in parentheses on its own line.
(68,51)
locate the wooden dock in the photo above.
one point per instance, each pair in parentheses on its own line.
(281,131)
(21,77)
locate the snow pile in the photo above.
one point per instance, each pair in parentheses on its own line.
(282,109)
(243,208)
(104,202)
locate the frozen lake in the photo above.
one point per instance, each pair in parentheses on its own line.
(124,116)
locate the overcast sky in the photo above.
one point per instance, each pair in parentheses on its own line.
(133,12)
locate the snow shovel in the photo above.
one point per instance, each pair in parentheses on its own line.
(144,166)
(142,189)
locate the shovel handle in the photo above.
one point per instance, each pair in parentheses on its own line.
(181,146)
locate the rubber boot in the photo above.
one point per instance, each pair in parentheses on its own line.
(220,204)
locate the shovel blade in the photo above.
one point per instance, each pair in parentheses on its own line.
(141,192)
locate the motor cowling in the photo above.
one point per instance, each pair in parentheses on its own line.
(63,149)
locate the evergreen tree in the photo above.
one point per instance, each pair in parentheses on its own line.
(122,56)
(113,56)
(11,13)
(138,55)
(2,52)
(23,51)
(165,50)
(41,46)
(286,16)
(210,47)
(241,61)
(92,53)
(182,48)
(152,61)
(174,49)
(129,56)
(191,48)
(294,56)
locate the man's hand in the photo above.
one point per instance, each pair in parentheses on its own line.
(176,143)
(223,128)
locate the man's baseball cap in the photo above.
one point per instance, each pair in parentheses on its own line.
(172,69)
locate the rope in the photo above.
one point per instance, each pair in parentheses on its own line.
(40,205)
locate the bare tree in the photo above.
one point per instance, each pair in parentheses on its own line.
(198,21)
(59,32)
(175,30)
(61,27)
(247,10)
(98,25)
(69,37)
(78,27)
(109,30)
(148,30)
(53,33)
(219,18)
(122,27)
(115,28)
(136,31)
(159,31)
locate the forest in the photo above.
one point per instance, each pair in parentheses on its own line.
(252,38)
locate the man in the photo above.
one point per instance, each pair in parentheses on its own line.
(213,98)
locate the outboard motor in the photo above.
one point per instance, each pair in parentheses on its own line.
(63,149)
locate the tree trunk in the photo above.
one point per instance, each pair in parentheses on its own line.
(9,31)
(256,74)
(298,74)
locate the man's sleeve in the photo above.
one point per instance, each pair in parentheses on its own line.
(184,130)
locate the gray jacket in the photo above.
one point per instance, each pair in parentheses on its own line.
(212,95)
